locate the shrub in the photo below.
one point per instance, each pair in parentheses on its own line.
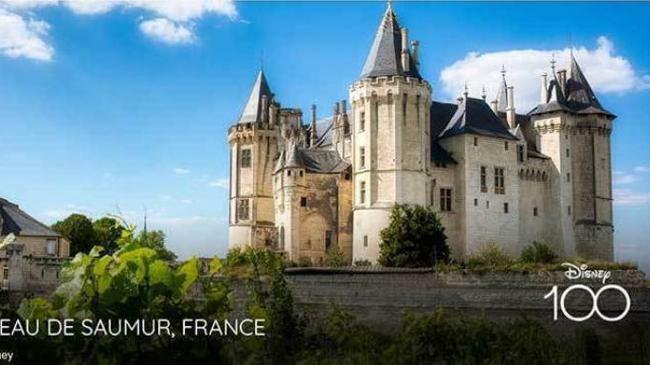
(362,262)
(414,238)
(538,253)
(335,257)
(490,256)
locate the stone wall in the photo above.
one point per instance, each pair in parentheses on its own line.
(380,298)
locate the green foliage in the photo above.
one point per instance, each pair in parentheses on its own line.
(490,257)
(414,238)
(335,257)
(78,229)
(135,282)
(538,253)
(156,241)
(362,262)
(108,231)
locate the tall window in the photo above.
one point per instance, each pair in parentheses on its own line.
(5,272)
(505,208)
(365,241)
(51,247)
(520,153)
(499,181)
(362,192)
(483,179)
(362,121)
(303,201)
(246,158)
(505,145)
(328,239)
(243,209)
(445,200)
(362,156)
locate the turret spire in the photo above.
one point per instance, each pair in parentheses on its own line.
(388,55)
(253,110)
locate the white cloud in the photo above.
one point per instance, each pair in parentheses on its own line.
(642,168)
(221,183)
(172,21)
(606,72)
(167,31)
(625,179)
(62,213)
(24,37)
(181,171)
(186,201)
(629,197)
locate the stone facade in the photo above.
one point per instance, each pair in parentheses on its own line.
(492,175)
(31,261)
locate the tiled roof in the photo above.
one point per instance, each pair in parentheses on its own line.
(16,221)
(475,116)
(384,58)
(253,108)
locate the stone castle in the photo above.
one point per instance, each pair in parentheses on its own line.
(491,174)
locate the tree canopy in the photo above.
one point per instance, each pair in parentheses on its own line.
(414,238)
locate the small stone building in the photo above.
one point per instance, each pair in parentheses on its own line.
(31,263)
(493,175)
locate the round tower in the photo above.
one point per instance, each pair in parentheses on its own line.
(391,137)
(253,144)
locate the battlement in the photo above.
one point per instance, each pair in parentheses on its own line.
(396,80)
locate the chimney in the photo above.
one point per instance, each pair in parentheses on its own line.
(273,114)
(405,51)
(264,115)
(543,94)
(494,105)
(314,133)
(510,112)
(415,45)
(344,107)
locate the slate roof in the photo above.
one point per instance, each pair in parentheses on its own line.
(323,161)
(475,116)
(324,129)
(16,221)
(576,96)
(253,108)
(384,58)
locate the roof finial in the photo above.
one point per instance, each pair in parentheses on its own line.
(483,93)
(466,92)
(389,4)
(553,62)
(503,71)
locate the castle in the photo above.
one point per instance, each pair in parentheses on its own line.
(491,174)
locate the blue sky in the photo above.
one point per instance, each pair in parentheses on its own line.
(111,108)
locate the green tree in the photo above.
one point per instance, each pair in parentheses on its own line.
(156,241)
(78,229)
(414,238)
(132,283)
(107,232)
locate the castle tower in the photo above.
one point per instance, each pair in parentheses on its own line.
(575,133)
(390,131)
(253,144)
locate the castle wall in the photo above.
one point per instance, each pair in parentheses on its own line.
(445,177)
(536,222)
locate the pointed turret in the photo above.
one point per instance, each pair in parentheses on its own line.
(260,97)
(390,54)
(578,93)
(502,96)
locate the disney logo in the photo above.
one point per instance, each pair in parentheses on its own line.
(581,272)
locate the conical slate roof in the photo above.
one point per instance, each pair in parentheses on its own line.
(579,95)
(253,108)
(384,58)
(576,96)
